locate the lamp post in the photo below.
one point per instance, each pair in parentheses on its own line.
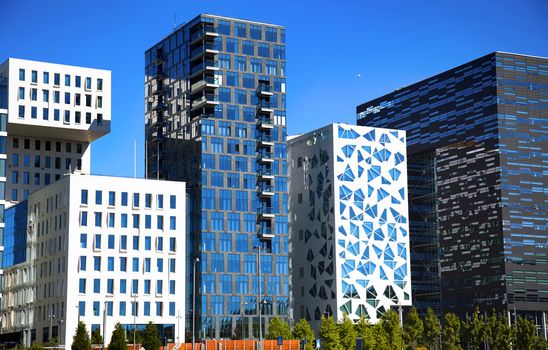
(242,312)
(51,317)
(134,296)
(258,248)
(196,260)
(78,307)
(60,332)
(178,326)
(104,324)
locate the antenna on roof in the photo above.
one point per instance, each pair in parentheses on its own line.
(174,21)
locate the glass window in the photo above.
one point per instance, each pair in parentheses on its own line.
(172,223)
(21,74)
(57,79)
(223,27)
(160,201)
(231,45)
(84,197)
(67,80)
(82,263)
(45,78)
(88,83)
(99,84)
(136,200)
(240,63)
(271,34)
(123,242)
(255,32)
(98,197)
(263,50)
(124,198)
(21,93)
(83,240)
(241,29)
(172,202)
(135,220)
(82,286)
(248,47)
(78,81)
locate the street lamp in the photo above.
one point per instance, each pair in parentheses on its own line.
(196,260)
(178,321)
(78,307)
(51,317)
(134,296)
(258,248)
(60,332)
(242,312)
(104,324)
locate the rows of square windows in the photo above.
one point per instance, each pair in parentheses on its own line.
(67,115)
(123,305)
(76,100)
(77,80)
(253,31)
(123,243)
(123,217)
(124,199)
(68,146)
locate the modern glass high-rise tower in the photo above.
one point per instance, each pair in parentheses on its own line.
(477,183)
(215,118)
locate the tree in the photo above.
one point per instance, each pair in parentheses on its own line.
(473,330)
(329,334)
(81,341)
(413,329)
(96,337)
(380,336)
(302,330)
(118,339)
(503,336)
(347,333)
(277,327)
(451,332)
(138,337)
(489,329)
(432,330)
(365,331)
(150,337)
(391,325)
(525,334)
(36,346)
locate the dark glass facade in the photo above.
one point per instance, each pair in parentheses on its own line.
(477,168)
(15,235)
(215,118)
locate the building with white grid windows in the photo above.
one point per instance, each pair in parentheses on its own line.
(54,113)
(101,250)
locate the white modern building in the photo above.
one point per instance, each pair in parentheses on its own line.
(54,113)
(101,250)
(349,222)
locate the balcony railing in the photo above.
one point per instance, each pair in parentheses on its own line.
(265,188)
(205,81)
(202,48)
(265,211)
(203,31)
(203,65)
(266,232)
(263,88)
(264,104)
(264,172)
(264,138)
(208,98)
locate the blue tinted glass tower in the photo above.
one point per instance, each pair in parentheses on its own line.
(215,118)
(477,189)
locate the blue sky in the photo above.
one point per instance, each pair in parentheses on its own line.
(329,43)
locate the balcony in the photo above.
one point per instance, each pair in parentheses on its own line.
(265,233)
(208,100)
(205,49)
(265,157)
(264,107)
(264,90)
(265,190)
(265,174)
(265,141)
(207,82)
(159,107)
(160,89)
(265,213)
(265,123)
(209,32)
(207,65)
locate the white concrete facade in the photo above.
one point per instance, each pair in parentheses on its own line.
(54,113)
(348,222)
(96,245)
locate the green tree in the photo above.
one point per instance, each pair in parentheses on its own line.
(381,338)
(138,337)
(277,327)
(81,341)
(451,332)
(302,330)
(347,333)
(96,337)
(432,330)
(473,331)
(329,334)
(151,341)
(392,327)
(539,343)
(36,346)
(525,334)
(118,338)
(413,329)
(490,329)
(503,336)
(365,331)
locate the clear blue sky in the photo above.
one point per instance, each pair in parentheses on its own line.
(389,43)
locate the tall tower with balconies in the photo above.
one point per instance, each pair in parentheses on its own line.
(215,118)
